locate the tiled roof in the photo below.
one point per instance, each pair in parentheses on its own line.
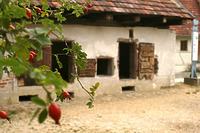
(145,7)
(183,30)
(194,8)
(142,7)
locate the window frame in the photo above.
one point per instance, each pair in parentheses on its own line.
(109,67)
(183,45)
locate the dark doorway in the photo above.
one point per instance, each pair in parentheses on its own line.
(66,60)
(127,60)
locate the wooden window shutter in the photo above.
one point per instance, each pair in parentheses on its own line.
(146,61)
(90,69)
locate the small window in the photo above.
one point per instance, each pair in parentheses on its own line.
(184,45)
(104,66)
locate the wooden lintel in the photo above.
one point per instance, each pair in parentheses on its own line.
(127,40)
(60,40)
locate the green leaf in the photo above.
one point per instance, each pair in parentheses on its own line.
(35,114)
(92,89)
(40,54)
(61,98)
(5,22)
(31,31)
(57,99)
(35,44)
(89,104)
(74,12)
(59,28)
(16,12)
(45,6)
(46,21)
(1,54)
(43,30)
(93,93)
(91,99)
(43,40)
(16,67)
(38,101)
(77,14)
(18,70)
(96,85)
(43,115)
(59,92)
(72,79)
(68,7)
(58,61)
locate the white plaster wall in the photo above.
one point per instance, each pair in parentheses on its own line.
(102,41)
(164,40)
(98,41)
(183,58)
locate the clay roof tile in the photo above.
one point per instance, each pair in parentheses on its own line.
(148,7)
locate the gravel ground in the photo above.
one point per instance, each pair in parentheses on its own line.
(170,110)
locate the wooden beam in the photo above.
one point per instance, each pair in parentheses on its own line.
(164,20)
(137,19)
(109,17)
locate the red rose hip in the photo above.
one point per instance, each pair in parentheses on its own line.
(66,95)
(55,112)
(28,13)
(89,6)
(31,57)
(86,10)
(4,115)
(38,10)
(33,53)
(11,27)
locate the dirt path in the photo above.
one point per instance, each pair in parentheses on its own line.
(174,110)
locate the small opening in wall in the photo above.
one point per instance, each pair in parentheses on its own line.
(26,97)
(128,88)
(104,66)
